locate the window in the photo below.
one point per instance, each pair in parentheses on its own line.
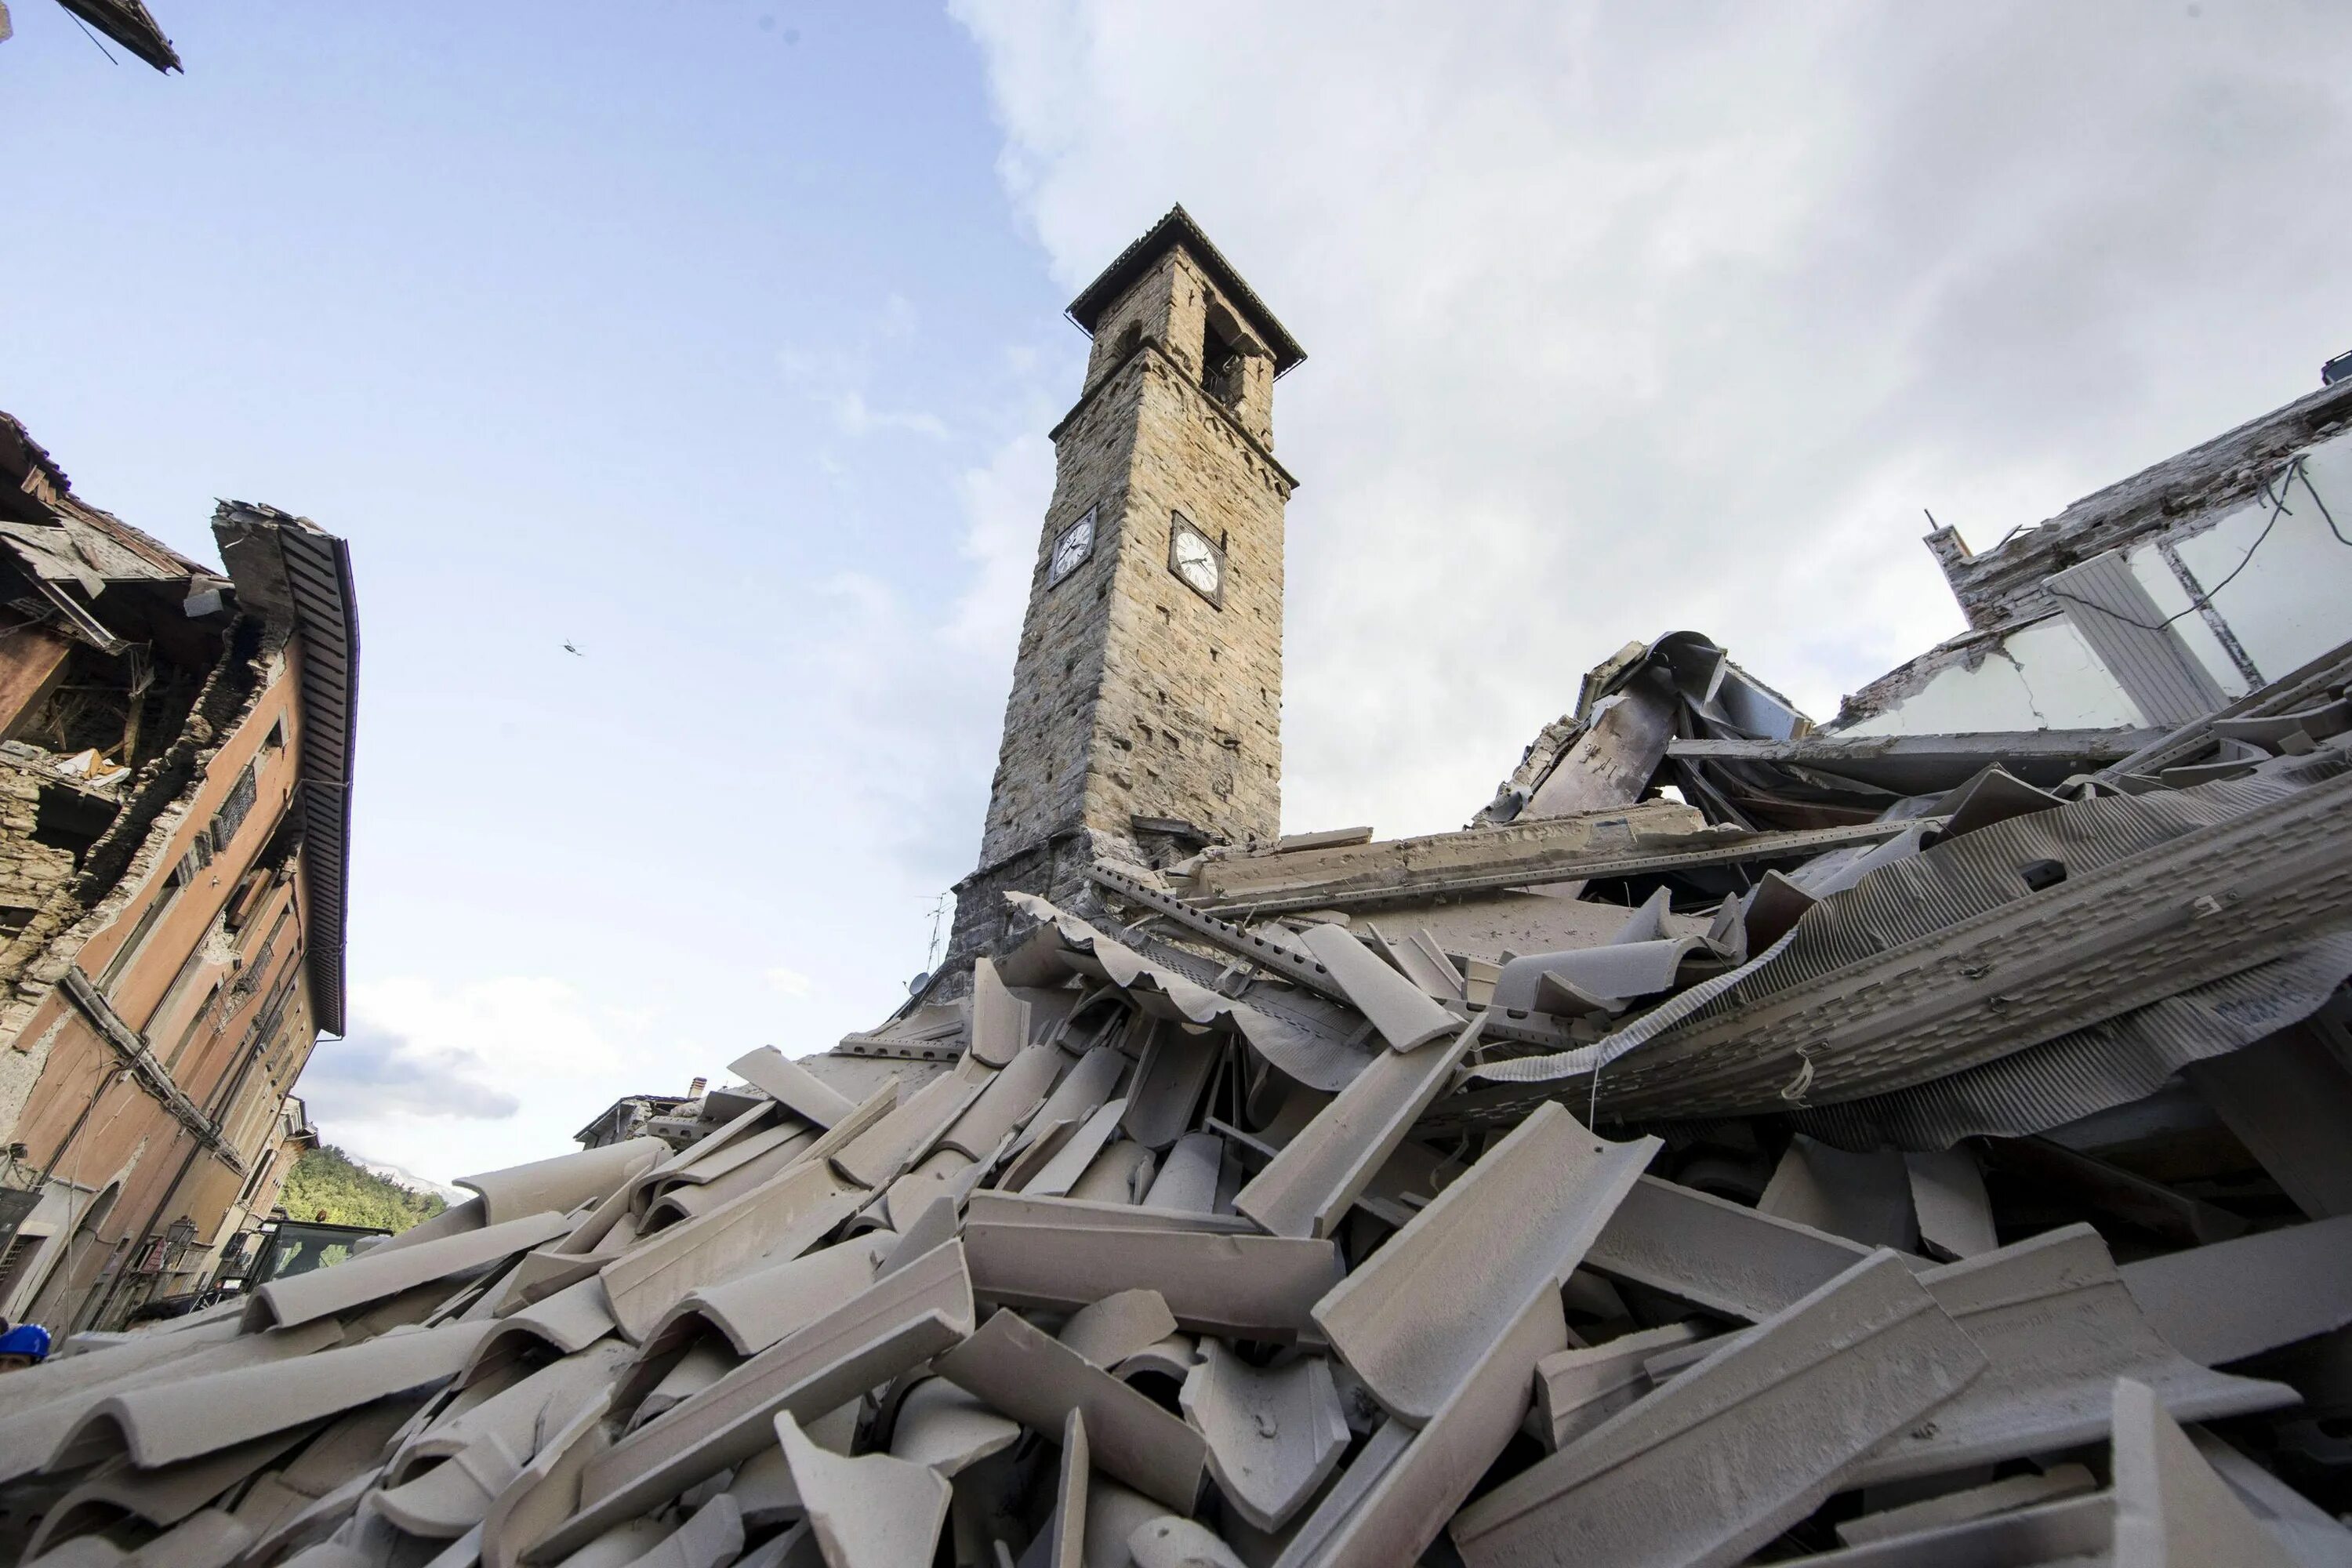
(232,810)
(197,1023)
(15,1261)
(253,1184)
(128,954)
(180,980)
(1223,345)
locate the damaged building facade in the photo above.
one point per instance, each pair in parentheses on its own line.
(2152,603)
(175,764)
(1911,1138)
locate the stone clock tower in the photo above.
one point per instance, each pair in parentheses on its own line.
(1146,714)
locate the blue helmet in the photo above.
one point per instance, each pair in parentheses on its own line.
(26,1340)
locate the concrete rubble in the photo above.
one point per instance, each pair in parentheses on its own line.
(1949,1178)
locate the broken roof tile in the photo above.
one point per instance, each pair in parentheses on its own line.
(1273,1432)
(1181,1167)
(1415,1316)
(1040,1383)
(1742,1446)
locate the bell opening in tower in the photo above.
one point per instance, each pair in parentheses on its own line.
(1222,351)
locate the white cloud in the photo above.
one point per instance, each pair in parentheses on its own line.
(917,695)
(836,376)
(790,982)
(1627,321)
(451,1078)
(852,416)
(1004,508)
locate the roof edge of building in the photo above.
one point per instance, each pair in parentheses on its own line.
(302,575)
(1179,227)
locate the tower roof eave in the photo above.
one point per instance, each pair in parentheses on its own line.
(1178,227)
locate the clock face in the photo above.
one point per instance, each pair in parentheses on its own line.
(1071,550)
(1199,562)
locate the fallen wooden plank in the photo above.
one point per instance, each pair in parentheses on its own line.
(2230,1299)
(1716,1253)
(1645,855)
(1969,1503)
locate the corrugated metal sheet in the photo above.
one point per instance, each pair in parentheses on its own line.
(2096,1069)
(2134,640)
(1941,963)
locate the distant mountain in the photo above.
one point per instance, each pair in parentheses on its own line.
(327,1184)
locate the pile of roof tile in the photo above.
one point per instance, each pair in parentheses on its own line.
(1902,1151)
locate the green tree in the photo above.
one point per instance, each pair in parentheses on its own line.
(326,1178)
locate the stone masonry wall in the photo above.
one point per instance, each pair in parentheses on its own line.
(1147,308)
(1039,782)
(1189,724)
(31,873)
(1132,695)
(1170,306)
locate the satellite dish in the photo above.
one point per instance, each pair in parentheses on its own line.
(921,979)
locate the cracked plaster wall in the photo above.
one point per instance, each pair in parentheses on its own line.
(2284,604)
(2041,677)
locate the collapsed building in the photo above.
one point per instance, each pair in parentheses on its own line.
(1916,1138)
(175,747)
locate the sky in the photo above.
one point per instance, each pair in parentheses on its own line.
(720,340)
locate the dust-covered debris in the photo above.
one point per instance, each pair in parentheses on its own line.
(1601,1304)
(1750,1141)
